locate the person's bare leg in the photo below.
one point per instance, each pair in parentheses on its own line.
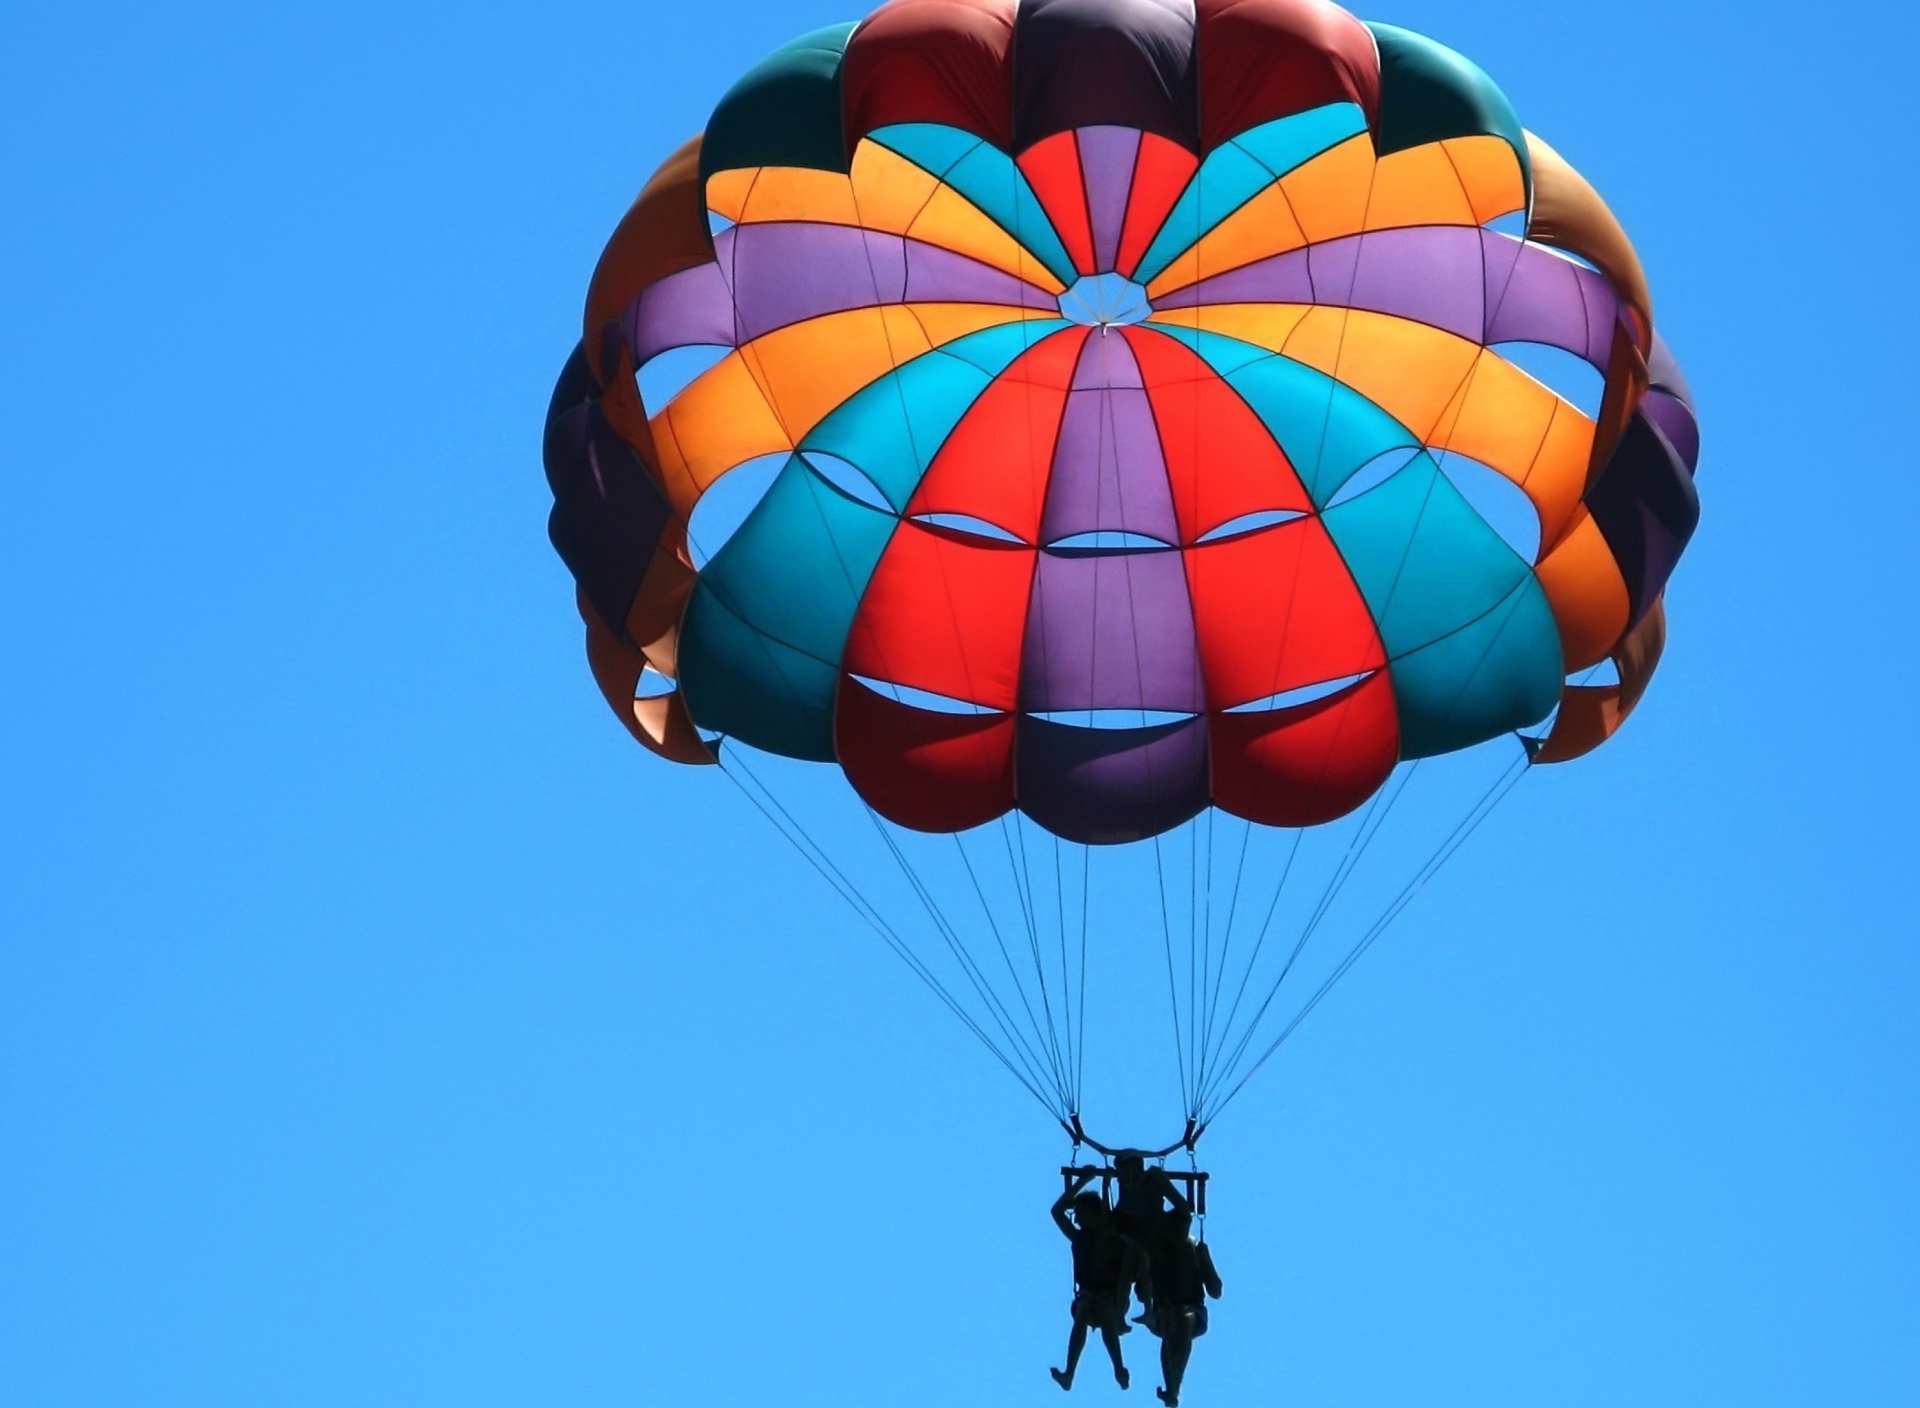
(1176,1347)
(1111,1338)
(1076,1342)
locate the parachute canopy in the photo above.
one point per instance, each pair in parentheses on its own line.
(1147,405)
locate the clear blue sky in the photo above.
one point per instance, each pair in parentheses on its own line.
(379,1026)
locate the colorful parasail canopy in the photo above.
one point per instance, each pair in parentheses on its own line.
(1136,395)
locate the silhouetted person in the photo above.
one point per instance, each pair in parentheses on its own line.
(1183,1278)
(1143,1197)
(1105,1266)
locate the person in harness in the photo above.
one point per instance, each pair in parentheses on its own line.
(1183,1278)
(1144,1196)
(1106,1266)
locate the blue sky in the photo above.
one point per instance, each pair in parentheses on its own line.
(378,1025)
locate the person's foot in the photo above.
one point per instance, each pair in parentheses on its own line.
(1122,1377)
(1172,1400)
(1061,1377)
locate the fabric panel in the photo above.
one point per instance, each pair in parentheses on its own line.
(1310,764)
(1591,714)
(923,770)
(1425,561)
(1012,426)
(1497,674)
(761,646)
(608,515)
(1646,505)
(1088,63)
(1110,631)
(660,723)
(944,613)
(1108,786)
(1428,92)
(785,111)
(1222,463)
(940,61)
(1276,611)
(1262,59)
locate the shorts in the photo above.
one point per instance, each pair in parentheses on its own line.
(1104,1310)
(1199,1313)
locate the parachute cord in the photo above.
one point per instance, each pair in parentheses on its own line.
(1066,973)
(1361,841)
(1023,892)
(823,864)
(957,948)
(1193,944)
(1173,991)
(1374,806)
(1259,942)
(1502,786)
(1200,1215)
(1000,942)
(1063,1040)
(1080,1000)
(1196,999)
(1226,948)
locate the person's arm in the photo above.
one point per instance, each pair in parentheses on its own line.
(1061,1203)
(1208,1276)
(1171,1192)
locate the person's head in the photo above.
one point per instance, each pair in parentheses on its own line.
(1129,1163)
(1089,1210)
(1179,1224)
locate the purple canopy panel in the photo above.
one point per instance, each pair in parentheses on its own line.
(1280,278)
(608,514)
(1676,422)
(1106,168)
(1105,786)
(682,310)
(1110,631)
(1547,299)
(1086,63)
(785,273)
(1330,267)
(1430,274)
(1669,404)
(936,275)
(1109,474)
(1106,362)
(1646,508)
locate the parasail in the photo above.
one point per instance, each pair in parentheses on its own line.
(1075,425)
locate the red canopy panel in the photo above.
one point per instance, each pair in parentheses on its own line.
(944,61)
(920,769)
(1012,427)
(1310,764)
(1264,59)
(1052,168)
(945,613)
(1222,462)
(1160,173)
(1276,610)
